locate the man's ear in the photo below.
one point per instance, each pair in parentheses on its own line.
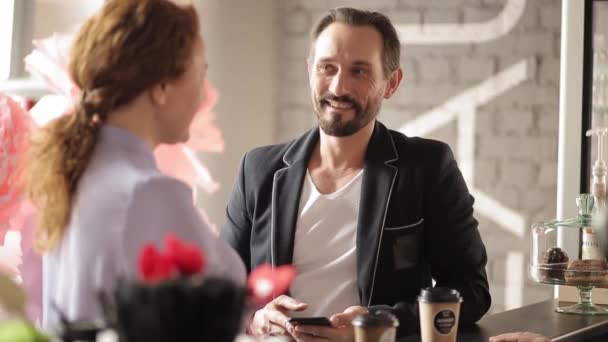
(158,94)
(394,81)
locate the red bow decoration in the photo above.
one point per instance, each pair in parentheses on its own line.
(266,282)
(179,257)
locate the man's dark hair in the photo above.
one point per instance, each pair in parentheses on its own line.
(391,46)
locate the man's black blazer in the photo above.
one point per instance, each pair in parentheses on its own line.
(415,221)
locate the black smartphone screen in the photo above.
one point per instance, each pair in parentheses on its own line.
(322,321)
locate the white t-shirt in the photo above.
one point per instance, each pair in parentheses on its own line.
(325,249)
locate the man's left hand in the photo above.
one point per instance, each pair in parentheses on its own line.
(341,327)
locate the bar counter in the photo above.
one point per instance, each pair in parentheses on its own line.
(539,318)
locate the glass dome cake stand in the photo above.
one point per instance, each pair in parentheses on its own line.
(584,267)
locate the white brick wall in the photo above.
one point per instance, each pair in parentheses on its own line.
(534,43)
(328,4)
(410,17)
(518,176)
(485,123)
(550,18)
(478,14)
(493,2)
(443,16)
(299,23)
(516,137)
(434,70)
(530,22)
(294,74)
(421,4)
(423,94)
(501,48)
(547,120)
(494,147)
(518,122)
(410,71)
(296,48)
(547,174)
(475,69)
(489,170)
(549,71)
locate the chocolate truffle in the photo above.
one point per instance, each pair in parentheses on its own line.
(555,261)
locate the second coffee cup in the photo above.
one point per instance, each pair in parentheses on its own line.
(439,314)
(375,326)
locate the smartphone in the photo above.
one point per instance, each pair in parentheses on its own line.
(322,321)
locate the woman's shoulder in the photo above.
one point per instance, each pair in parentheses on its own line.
(110,190)
(163,202)
(158,188)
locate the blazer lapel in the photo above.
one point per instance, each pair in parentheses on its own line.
(286,191)
(378,181)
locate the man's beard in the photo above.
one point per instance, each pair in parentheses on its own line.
(335,125)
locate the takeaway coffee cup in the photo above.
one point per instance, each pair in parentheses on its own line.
(439,314)
(375,326)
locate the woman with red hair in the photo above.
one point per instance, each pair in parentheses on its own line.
(140,65)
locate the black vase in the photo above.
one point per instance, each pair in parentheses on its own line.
(184,309)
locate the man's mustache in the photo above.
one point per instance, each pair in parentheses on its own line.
(343,98)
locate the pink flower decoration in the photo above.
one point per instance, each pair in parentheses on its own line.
(16,213)
(204,134)
(49,62)
(265,282)
(14,130)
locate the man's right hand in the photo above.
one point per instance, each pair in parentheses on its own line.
(272,318)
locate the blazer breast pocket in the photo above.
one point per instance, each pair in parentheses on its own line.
(406,247)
